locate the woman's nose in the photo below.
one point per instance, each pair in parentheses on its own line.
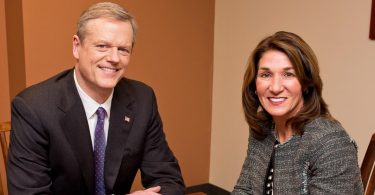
(276,85)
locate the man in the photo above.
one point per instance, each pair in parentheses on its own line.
(88,130)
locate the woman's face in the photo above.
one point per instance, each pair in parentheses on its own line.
(277,86)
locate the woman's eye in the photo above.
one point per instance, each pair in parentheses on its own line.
(289,74)
(265,75)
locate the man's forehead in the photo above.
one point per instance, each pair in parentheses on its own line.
(107,31)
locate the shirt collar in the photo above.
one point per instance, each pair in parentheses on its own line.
(89,104)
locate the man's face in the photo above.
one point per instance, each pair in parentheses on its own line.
(103,55)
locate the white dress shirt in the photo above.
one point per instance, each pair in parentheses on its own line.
(90,107)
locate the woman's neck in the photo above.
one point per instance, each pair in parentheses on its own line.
(283,132)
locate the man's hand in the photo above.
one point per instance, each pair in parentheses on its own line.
(149,191)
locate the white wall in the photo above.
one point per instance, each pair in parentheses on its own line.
(337,30)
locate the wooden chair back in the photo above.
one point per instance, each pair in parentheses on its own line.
(4,143)
(367,168)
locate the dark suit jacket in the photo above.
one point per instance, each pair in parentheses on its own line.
(51,151)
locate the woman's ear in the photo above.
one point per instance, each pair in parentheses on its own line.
(306,91)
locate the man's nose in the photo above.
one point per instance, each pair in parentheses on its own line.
(113,55)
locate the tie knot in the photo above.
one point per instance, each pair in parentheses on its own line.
(101,113)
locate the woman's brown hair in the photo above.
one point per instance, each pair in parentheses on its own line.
(306,66)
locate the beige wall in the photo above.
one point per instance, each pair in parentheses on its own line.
(173,54)
(337,31)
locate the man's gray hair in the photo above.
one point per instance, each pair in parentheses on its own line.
(104,10)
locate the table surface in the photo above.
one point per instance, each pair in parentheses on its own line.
(198,193)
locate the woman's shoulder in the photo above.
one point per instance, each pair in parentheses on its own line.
(325,136)
(322,126)
(321,130)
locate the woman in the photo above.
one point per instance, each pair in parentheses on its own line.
(295,145)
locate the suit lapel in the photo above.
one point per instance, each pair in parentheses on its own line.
(75,127)
(121,120)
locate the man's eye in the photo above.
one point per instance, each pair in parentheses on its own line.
(101,46)
(124,50)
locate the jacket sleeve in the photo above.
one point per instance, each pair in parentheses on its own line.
(334,169)
(27,167)
(159,166)
(243,183)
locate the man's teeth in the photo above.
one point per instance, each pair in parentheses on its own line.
(109,69)
(277,99)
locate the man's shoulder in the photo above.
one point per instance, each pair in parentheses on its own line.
(47,87)
(133,86)
(135,92)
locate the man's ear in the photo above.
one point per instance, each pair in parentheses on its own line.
(76,46)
